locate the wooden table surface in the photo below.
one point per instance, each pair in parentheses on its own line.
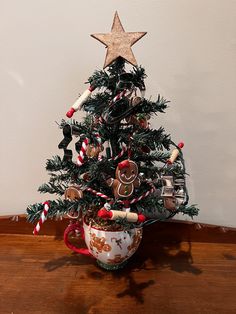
(40,275)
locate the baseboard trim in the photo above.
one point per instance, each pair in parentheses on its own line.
(172,230)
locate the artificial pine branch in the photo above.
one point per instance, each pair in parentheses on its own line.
(54,164)
(52,188)
(154,139)
(139,75)
(97,103)
(64,172)
(150,107)
(188,210)
(151,157)
(117,67)
(99,79)
(57,208)
(58,178)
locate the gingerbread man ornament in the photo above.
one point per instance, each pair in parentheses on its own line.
(126,179)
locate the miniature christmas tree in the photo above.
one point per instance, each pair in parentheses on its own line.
(122,172)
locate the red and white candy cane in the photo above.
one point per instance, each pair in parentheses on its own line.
(42,219)
(137,199)
(82,153)
(98,193)
(119,96)
(98,137)
(100,157)
(125,202)
(80,158)
(80,101)
(124,149)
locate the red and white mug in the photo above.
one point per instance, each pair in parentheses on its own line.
(111,248)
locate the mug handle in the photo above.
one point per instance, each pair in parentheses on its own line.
(68,230)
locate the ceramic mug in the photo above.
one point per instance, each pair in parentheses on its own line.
(111,249)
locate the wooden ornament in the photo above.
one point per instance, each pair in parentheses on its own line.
(139,119)
(132,120)
(170,203)
(126,179)
(117,214)
(85,176)
(173,156)
(175,153)
(136,100)
(73,193)
(118,42)
(93,151)
(80,101)
(143,123)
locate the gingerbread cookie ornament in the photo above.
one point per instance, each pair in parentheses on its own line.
(139,120)
(73,193)
(93,150)
(126,179)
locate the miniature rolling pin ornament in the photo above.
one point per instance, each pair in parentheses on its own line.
(80,101)
(116,214)
(175,153)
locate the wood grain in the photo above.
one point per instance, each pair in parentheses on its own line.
(40,275)
(167,231)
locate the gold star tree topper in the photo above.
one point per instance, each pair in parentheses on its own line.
(118,42)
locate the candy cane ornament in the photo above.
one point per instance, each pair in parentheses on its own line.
(124,149)
(85,143)
(100,157)
(119,96)
(98,137)
(42,219)
(125,202)
(98,193)
(80,158)
(80,101)
(137,199)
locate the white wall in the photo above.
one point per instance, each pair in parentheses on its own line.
(46,54)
